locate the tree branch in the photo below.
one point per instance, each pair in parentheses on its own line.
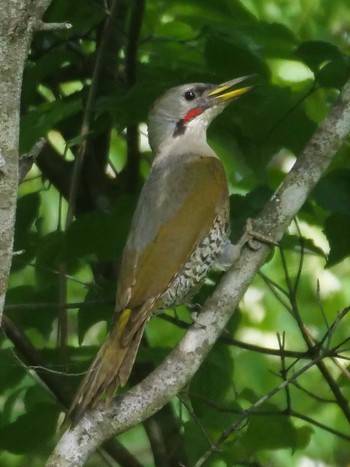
(27,160)
(41,26)
(156,390)
(15,35)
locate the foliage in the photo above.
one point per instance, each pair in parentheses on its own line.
(88,90)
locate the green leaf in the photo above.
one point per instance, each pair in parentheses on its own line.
(49,259)
(32,314)
(315,53)
(225,47)
(333,192)
(163,334)
(175,30)
(26,239)
(99,233)
(11,371)
(12,405)
(276,40)
(295,243)
(274,432)
(37,71)
(334,74)
(336,230)
(27,212)
(36,395)
(83,15)
(214,383)
(89,315)
(281,135)
(265,117)
(195,442)
(244,207)
(197,13)
(34,429)
(39,122)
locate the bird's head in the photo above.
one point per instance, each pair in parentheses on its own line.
(188,110)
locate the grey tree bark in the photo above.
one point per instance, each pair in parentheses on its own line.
(18,20)
(169,378)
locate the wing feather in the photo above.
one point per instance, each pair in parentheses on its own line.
(176,210)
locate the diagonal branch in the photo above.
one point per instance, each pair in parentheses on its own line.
(156,390)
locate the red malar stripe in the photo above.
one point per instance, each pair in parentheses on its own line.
(192,114)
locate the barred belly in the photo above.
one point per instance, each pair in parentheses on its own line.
(190,278)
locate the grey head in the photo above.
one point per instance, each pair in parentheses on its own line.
(183,114)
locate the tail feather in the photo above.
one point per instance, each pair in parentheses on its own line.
(110,369)
(129,359)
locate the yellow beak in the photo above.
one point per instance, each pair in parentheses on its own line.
(224,91)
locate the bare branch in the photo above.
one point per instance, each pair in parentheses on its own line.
(27,160)
(41,26)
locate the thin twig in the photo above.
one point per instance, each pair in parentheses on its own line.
(68,306)
(342,401)
(189,409)
(31,357)
(41,26)
(55,271)
(320,304)
(227,339)
(284,371)
(274,287)
(279,121)
(282,413)
(314,422)
(301,257)
(252,409)
(314,396)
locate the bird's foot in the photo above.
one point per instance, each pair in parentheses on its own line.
(254,239)
(195,314)
(231,252)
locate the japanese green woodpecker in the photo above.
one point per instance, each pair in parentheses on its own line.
(179,230)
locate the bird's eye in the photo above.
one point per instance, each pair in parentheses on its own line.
(190,95)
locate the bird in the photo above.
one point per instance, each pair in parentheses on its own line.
(179,231)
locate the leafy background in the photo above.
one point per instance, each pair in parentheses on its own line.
(88,90)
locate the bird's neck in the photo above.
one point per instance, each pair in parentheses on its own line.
(192,140)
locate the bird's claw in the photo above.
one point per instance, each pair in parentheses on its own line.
(194,317)
(254,239)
